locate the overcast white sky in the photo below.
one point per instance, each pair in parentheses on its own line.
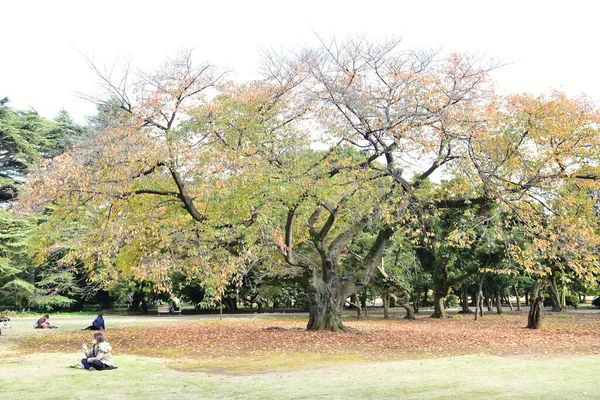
(549,44)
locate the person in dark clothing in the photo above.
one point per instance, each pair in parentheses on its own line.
(97,325)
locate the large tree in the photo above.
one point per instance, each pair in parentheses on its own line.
(193,174)
(421,113)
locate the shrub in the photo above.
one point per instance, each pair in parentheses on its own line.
(572,300)
(451,300)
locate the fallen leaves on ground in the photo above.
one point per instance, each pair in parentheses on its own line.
(371,338)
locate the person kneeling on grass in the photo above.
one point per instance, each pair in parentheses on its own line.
(99,357)
(97,325)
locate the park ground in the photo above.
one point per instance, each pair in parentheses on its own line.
(274,357)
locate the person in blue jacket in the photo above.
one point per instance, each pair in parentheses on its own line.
(97,325)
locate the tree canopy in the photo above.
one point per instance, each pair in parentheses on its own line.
(309,172)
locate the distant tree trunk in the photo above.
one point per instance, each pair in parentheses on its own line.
(405,303)
(439,310)
(555,296)
(230,304)
(138,302)
(499,303)
(416,301)
(536,301)
(464,302)
(479,297)
(363,303)
(32,276)
(409,311)
(356,304)
(393,286)
(77,305)
(507,298)
(385,298)
(488,303)
(516,289)
(391,302)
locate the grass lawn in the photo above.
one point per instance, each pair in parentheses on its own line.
(275,358)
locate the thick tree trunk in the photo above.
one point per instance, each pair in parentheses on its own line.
(536,301)
(439,310)
(327,293)
(325,313)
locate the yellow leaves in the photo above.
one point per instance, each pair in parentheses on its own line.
(460,238)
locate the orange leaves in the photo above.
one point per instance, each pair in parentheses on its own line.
(371,338)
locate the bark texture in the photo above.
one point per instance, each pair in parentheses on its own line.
(534,320)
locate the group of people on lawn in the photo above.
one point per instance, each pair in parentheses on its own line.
(44,323)
(99,357)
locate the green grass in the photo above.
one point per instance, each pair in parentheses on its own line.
(467,377)
(308,376)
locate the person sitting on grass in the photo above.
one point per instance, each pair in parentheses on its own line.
(99,357)
(43,323)
(97,325)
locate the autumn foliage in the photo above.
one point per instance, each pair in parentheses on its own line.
(195,175)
